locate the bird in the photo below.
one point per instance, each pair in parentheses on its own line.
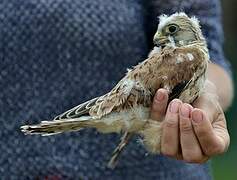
(178,63)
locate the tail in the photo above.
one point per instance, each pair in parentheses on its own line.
(46,128)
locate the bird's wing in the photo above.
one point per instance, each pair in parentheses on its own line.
(125,94)
(78,111)
(191,64)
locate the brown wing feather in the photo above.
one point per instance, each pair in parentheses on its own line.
(78,111)
(120,98)
(183,77)
(117,99)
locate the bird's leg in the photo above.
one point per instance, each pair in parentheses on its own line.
(118,150)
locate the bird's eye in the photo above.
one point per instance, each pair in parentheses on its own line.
(172,29)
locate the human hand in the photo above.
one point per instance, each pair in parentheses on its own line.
(192,133)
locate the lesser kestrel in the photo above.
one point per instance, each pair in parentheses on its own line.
(178,63)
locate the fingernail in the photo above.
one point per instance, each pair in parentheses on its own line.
(160,96)
(185,111)
(197,116)
(174,107)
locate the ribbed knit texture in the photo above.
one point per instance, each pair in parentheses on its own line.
(55,54)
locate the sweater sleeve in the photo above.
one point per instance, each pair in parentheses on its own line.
(209,14)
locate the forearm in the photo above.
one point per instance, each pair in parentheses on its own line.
(223,85)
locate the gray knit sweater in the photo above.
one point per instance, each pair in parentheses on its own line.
(55,54)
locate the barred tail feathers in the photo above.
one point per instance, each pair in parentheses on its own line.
(46,128)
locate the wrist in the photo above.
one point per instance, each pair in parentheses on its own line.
(222,85)
(210,91)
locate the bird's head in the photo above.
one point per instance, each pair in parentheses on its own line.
(178,30)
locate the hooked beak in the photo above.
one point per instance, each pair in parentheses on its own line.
(160,40)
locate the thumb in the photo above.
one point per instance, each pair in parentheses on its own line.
(159,105)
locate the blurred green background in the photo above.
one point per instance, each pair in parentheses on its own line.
(225,166)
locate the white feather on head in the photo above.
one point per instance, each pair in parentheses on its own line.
(165,19)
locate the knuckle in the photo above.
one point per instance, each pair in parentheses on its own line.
(214,150)
(155,116)
(186,128)
(171,123)
(220,116)
(202,134)
(197,126)
(191,158)
(158,109)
